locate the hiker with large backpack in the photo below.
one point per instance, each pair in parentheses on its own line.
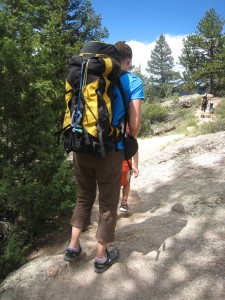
(92,130)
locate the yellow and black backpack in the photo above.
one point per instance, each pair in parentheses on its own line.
(92,76)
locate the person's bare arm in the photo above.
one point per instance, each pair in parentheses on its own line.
(135,165)
(135,117)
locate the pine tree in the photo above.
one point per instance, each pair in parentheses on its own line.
(202,53)
(160,67)
(37,39)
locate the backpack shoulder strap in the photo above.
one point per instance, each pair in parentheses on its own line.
(126,115)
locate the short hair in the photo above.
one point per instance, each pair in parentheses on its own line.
(124,49)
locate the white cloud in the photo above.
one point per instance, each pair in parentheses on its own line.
(142,51)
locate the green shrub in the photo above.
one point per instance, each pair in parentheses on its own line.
(12,256)
(30,200)
(38,194)
(174,98)
(220,109)
(213,127)
(151,113)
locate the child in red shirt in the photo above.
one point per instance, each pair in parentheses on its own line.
(127,172)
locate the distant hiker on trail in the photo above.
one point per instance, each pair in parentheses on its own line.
(211,107)
(129,168)
(104,172)
(204,103)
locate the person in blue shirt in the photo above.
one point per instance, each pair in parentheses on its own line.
(134,94)
(107,172)
(133,90)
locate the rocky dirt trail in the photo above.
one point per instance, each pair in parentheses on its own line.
(172,244)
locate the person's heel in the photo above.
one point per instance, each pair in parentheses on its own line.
(111,257)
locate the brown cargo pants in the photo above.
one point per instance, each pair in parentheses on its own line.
(105,173)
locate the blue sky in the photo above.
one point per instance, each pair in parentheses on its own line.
(141,22)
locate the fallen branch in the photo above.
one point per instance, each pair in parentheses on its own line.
(167,129)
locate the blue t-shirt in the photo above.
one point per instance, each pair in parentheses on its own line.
(133,89)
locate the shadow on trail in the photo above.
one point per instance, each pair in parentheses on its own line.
(148,235)
(165,255)
(160,258)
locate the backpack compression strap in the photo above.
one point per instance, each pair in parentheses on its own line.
(126,115)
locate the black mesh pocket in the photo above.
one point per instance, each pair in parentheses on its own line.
(73,141)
